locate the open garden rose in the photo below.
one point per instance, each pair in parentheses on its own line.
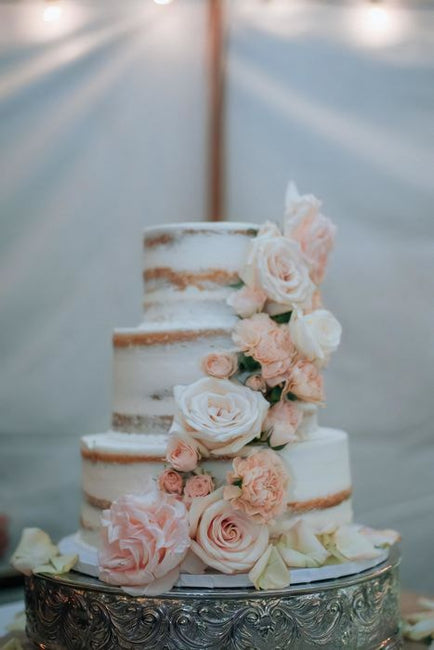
(276,266)
(184,452)
(170,481)
(315,335)
(224,538)
(306,382)
(282,422)
(314,232)
(222,414)
(258,485)
(199,485)
(247,301)
(144,539)
(220,364)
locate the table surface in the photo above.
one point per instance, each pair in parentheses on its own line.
(8,610)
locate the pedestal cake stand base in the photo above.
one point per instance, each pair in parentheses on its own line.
(360,612)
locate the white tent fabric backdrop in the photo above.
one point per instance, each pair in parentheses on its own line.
(103,131)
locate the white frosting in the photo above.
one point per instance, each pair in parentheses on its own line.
(144,376)
(192,305)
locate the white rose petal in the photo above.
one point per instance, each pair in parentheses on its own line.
(223,415)
(298,207)
(348,543)
(34,549)
(270,571)
(315,335)
(300,547)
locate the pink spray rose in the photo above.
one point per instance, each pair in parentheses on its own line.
(170,481)
(306,382)
(183,452)
(312,230)
(144,539)
(247,301)
(282,421)
(221,365)
(199,485)
(224,538)
(249,332)
(256,382)
(258,485)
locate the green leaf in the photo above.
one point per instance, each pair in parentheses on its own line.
(239,284)
(238,482)
(275,394)
(248,363)
(291,397)
(282,318)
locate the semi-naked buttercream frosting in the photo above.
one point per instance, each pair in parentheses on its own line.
(215,399)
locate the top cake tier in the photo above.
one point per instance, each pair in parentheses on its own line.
(189,269)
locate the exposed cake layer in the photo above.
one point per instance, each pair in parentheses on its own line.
(189,269)
(320,485)
(148,362)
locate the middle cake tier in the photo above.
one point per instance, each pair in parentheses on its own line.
(319,488)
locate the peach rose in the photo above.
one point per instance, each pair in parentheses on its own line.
(144,539)
(314,232)
(275,353)
(276,266)
(224,538)
(199,485)
(282,421)
(221,365)
(256,382)
(258,485)
(222,415)
(316,335)
(249,332)
(306,382)
(247,301)
(183,452)
(170,481)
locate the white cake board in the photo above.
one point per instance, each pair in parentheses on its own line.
(88,564)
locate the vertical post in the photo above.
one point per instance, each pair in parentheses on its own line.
(216,149)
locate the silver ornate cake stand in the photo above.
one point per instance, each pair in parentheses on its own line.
(361,611)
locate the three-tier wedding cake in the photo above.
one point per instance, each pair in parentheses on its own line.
(216,462)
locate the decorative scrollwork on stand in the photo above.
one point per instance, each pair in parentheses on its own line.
(75,614)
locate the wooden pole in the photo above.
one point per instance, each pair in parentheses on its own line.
(216,149)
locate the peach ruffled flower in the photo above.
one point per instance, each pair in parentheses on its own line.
(224,538)
(247,301)
(282,421)
(314,232)
(258,485)
(256,382)
(144,539)
(199,485)
(183,452)
(249,332)
(170,482)
(306,382)
(221,365)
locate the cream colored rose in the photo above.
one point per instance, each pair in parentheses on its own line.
(314,232)
(282,421)
(221,414)
(276,266)
(247,301)
(315,335)
(224,538)
(220,364)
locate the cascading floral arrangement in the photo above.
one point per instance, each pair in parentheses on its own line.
(247,407)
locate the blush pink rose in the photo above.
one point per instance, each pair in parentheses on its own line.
(306,382)
(275,353)
(144,539)
(183,452)
(258,485)
(221,365)
(247,301)
(282,421)
(170,481)
(249,332)
(314,232)
(224,538)
(256,382)
(199,485)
